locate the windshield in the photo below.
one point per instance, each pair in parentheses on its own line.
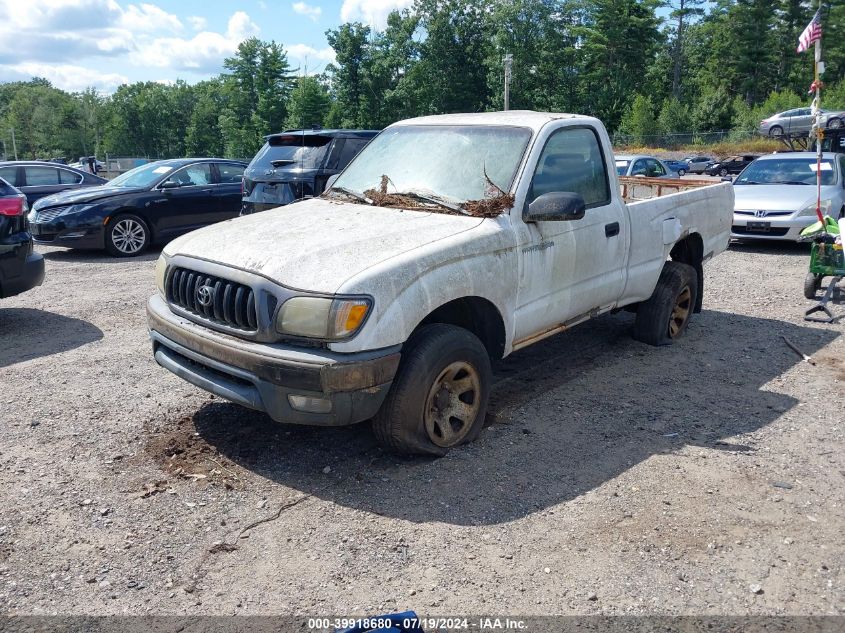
(787,171)
(143,176)
(289,151)
(447,161)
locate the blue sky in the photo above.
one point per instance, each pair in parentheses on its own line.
(103,43)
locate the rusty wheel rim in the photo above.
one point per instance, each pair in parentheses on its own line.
(680,312)
(452,404)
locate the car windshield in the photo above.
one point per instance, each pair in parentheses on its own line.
(448,162)
(787,171)
(143,176)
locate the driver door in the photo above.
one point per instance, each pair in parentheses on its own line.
(185,200)
(573,268)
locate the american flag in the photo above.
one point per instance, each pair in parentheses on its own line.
(812,33)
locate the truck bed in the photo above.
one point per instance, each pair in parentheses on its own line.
(635,188)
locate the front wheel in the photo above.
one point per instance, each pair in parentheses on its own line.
(723,172)
(439,396)
(127,235)
(834,124)
(812,283)
(664,317)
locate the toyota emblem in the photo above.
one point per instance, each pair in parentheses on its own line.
(205,295)
(761,213)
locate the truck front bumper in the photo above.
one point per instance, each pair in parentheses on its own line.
(291,384)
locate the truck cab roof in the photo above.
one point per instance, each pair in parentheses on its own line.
(522,118)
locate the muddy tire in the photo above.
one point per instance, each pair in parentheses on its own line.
(665,315)
(127,235)
(812,283)
(439,396)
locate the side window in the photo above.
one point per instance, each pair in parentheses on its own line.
(193,175)
(69,177)
(350,149)
(41,176)
(10,175)
(572,160)
(639,168)
(654,169)
(229,173)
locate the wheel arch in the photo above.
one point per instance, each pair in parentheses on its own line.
(690,250)
(475,314)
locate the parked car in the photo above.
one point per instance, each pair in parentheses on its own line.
(678,166)
(799,121)
(503,229)
(775,196)
(149,204)
(730,165)
(37,179)
(697,164)
(20,267)
(641,165)
(297,164)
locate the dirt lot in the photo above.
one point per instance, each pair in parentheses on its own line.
(705,478)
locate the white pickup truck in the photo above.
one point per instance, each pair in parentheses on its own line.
(449,241)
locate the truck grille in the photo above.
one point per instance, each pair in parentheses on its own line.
(218,300)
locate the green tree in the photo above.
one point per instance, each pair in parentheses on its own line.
(639,122)
(674,117)
(309,103)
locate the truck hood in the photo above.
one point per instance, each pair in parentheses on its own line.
(778,197)
(317,244)
(82,196)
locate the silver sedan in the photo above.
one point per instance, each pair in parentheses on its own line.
(799,121)
(642,165)
(775,196)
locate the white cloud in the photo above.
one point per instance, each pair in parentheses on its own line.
(65,76)
(307,10)
(198,23)
(372,12)
(148,18)
(203,53)
(309,59)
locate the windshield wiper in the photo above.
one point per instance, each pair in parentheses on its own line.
(352,194)
(788,182)
(433,199)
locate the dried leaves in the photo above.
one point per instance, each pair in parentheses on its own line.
(484,208)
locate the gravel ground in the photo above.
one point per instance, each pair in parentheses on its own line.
(614,478)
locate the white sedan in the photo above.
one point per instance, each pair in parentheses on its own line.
(775,196)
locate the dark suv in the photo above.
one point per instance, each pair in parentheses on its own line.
(20,267)
(296,164)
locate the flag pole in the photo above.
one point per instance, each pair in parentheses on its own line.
(817,104)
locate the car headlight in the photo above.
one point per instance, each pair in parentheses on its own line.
(161,271)
(810,209)
(321,317)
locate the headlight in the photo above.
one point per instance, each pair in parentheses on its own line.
(161,271)
(810,209)
(322,318)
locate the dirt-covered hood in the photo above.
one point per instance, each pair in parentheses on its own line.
(318,244)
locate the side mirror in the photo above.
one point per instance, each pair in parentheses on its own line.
(556,206)
(331,181)
(169,184)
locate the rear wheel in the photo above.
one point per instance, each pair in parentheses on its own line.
(438,399)
(834,124)
(812,283)
(776,130)
(682,172)
(127,235)
(665,315)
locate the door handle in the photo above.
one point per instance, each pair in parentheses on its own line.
(611,229)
